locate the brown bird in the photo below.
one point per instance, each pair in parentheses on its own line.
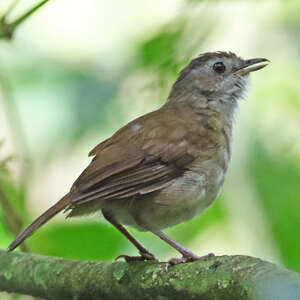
(167,166)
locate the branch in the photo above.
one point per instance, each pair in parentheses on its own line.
(224,277)
(7,29)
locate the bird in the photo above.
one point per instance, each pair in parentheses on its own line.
(165,167)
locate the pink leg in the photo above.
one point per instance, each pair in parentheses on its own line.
(187,256)
(145,254)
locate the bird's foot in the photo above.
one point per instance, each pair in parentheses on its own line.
(190,257)
(144,256)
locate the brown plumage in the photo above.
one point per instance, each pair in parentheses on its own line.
(166,166)
(158,149)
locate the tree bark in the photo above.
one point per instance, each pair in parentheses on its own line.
(223,277)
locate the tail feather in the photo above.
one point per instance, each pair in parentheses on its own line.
(46,216)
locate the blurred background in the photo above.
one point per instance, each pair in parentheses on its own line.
(75,72)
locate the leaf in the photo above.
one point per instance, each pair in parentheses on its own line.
(276,179)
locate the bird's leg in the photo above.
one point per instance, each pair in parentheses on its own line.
(145,254)
(187,256)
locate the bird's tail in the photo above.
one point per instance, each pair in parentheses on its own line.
(46,216)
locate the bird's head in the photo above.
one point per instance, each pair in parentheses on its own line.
(219,77)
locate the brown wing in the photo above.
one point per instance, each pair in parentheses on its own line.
(142,157)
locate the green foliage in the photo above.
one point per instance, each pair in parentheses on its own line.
(160,52)
(14,193)
(80,101)
(5,235)
(276,180)
(78,241)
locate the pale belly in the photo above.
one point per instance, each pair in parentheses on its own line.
(186,198)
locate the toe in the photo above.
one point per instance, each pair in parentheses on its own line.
(175,261)
(187,258)
(128,258)
(143,257)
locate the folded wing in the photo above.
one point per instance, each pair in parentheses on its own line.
(144,156)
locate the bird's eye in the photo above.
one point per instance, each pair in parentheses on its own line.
(219,67)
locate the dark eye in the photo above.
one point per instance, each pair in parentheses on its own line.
(219,67)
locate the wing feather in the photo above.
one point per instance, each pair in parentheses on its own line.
(144,156)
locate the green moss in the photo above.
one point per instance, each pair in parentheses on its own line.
(120,270)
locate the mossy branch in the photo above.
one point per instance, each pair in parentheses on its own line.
(225,277)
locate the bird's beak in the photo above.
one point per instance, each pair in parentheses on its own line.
(251,65)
